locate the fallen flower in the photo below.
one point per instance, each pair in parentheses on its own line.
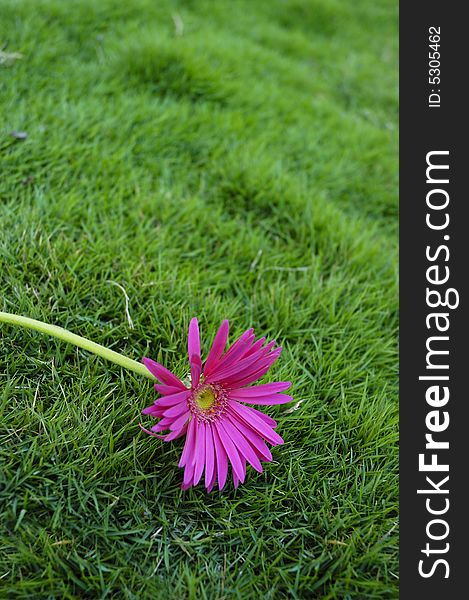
(219,428)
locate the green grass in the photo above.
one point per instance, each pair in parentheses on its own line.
(245,169)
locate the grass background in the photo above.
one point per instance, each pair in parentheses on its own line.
(226,159)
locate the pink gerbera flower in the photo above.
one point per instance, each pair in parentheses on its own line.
(219,428)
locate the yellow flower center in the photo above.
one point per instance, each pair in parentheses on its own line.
(205,398)
(208,402)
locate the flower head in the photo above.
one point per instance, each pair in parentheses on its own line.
(220,429)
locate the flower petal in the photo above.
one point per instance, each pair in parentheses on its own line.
(156,412)
(231,451)
(193,339)
(233,354)
(254,438)
(173,399)
(166,390)
(150,432)
(248,378)
(180,421)
(241,444)
(162,425)
(265,400)
(222,459)
(245,367)
(255,347)
(199,452)
(188,449)
(175,411)
(248,416)
(196,369)
(209,455)
(174,435)
(265,389)
(261,415)
(247,335)
(150,410)
(193,349)
(163,374)
(186,486)
(219,344)
(188,479)
(268,347)
(212,481)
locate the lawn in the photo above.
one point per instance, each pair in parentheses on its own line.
(226,159)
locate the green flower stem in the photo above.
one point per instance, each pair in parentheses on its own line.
(76,340)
